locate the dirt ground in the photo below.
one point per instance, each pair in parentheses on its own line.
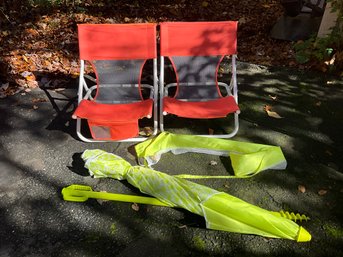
(39,44)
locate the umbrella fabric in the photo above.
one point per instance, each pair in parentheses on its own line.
(247,159)
(221,211)
(176,192)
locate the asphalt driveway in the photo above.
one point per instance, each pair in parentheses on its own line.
(40,154)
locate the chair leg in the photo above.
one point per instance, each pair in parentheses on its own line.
(161,90)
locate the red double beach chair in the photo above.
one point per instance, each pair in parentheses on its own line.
(117,54)
(113,106)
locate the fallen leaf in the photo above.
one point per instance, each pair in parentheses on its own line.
(213,163)
(26,74)
(38,100)
(322,192)
(173,11)
(328,152)
(59,89)
(271,113)
(32,84)
(274,115)
(204,4)
(31,78)
(301,189)
(4,86)
(25,59)
(42,25)
(331,62)
(32,31)
(292,63)
(146,132)
(75,75)
(323,69)
(267,108)
(101,201)
(242,20)
(273,97)
(113,228)
(135,207)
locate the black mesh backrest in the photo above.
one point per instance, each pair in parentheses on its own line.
(116,80)
(199,70)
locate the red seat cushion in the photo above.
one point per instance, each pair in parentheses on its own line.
(217,108)
(113,121)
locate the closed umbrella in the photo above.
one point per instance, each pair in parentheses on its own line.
(220,210)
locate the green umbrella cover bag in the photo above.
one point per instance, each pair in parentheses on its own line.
(247,159)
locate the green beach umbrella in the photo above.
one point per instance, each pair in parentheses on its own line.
(220,210)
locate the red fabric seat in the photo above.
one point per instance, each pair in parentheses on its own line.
(217,108)
(113,121)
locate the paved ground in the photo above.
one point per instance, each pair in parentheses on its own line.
(40,154)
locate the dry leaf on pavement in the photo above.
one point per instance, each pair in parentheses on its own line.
(146,132)
(268,110)
(39,100)
(301,188)
(273,97)
(204,4)
(213,163)
(322,192)
(135,207)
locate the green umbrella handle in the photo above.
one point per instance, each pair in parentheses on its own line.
(81,193)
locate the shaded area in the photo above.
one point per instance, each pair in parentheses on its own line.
(300,21)
(307,101)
